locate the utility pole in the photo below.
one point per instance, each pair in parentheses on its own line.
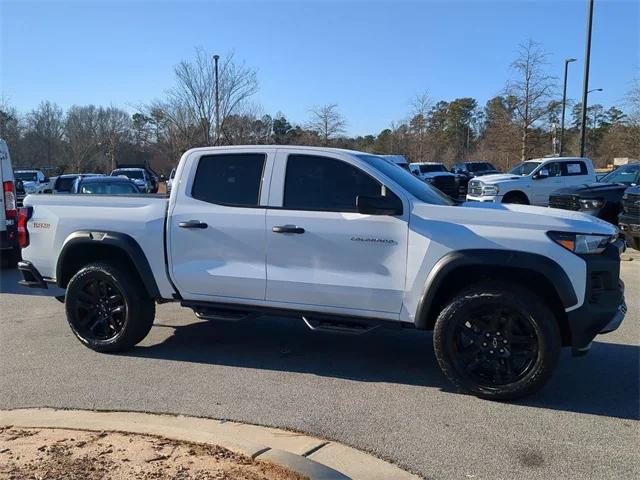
(564,102)
(215,59)
(585,82)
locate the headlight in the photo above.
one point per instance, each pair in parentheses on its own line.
(490,189)
(590,204)
(582,243)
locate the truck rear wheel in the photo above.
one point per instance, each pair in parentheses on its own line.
(107,307)
(497,341)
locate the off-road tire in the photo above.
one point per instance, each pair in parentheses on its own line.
(487,296)
(139,307)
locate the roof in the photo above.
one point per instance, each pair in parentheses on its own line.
(269,148)
(557,159)
(128,169)
(107,179)
(426,163)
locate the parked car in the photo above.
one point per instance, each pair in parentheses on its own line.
(437,175)
(343,240)
(532,182)
(474,169)
(8,208)
(101,185)
(629,219)
(602,198)
(33,181)
(139,176)
(399,160)
(64,183)
(170,180)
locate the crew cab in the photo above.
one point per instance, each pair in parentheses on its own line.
(437,175)
(343,240)
(602,198)
(532,182)
(33,181)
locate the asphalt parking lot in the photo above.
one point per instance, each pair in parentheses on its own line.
(382,392)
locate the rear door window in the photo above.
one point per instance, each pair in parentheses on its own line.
(574,168)
(229,179)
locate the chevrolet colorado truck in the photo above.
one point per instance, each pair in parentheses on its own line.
(345,241)
(532,182)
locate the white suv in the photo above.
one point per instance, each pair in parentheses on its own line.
(532,182)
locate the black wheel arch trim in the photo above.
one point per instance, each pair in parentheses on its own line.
(121,241)
(450,262)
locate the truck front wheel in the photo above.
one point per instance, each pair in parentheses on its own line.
(497,341)
(107,307)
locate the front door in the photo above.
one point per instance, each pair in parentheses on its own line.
(545,186)
(217,230)
(321,252)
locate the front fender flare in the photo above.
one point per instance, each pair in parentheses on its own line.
(492,258)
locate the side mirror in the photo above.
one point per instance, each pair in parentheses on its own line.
(378,205)
(45,180)
(541,175)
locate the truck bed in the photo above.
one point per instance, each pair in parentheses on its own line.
(55,217)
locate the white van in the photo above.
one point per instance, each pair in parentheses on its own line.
(8,207)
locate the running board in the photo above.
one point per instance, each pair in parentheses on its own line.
(224,315)
(330,325)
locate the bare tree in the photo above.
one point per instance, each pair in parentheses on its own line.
(114,129)
(45,125)
(532,90)
(81,131)
(195,91)
(327,121)
(420,107)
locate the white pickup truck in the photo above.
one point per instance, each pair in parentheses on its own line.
(531,182)
(344,240)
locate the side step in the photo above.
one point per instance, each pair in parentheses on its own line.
(331,325)
(218,314)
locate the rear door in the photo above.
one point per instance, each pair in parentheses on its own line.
(217,226)
(323,254)
(575,173)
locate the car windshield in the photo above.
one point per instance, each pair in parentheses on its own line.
(107,188)
(406,180)
(64,184)
(432,168)
(627,174)
(26,176)
(480,167)
(524,168)
(134,174)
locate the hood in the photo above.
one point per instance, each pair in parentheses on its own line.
(437,174)
(29,186)
(518,216)
(589,188)
(498,177)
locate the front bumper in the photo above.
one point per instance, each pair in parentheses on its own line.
(630,226)
(485,198)
(604,307)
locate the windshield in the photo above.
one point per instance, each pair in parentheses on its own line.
(406,180)
(480,167)
(134,174)
(106,188)
(26,176)
(432,168)
(627,174)
(524,168)
(64,184)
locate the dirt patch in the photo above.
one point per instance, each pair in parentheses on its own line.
(56,454)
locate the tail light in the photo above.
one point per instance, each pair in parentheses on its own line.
(24,214)
(9,199)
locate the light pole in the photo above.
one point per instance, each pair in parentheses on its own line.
(564,101)
(215,59)
(585,81)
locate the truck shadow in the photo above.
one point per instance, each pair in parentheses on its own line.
(605,382)
(9,278)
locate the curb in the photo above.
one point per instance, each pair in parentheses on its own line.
(312,457)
